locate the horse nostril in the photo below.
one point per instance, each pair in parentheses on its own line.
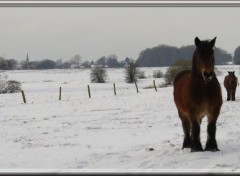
(205,74)
(208,76)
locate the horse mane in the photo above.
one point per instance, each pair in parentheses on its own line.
(194,65)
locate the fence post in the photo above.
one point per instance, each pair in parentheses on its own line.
(154,85)
(60,93)
(89,93)
(114,88)
(23,95)
(136,86)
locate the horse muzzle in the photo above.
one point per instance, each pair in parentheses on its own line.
(208,76)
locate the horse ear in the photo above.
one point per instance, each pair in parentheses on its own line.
(197,42)
(213,41)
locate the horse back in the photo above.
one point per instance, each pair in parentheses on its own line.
(181,75)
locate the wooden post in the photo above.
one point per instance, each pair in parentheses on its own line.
(136,86)
(60,93)
(89,93)
(23,95)
(114,88)
(154,85)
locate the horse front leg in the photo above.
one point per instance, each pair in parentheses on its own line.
(186,130)
(187,138)
(195,136)
(228,96)
(233,95)
(211,144)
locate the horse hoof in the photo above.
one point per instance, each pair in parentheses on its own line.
(196,150)
(186,146)
(212,149)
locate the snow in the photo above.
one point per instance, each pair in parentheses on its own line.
(139,132)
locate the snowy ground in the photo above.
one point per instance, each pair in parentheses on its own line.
(106,132)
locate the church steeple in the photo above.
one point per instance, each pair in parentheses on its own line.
(27,59)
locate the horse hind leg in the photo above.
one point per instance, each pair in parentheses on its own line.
(186,130)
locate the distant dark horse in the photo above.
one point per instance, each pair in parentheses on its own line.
(197,93)
(230,83)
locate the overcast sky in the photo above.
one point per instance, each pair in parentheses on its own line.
(92,32)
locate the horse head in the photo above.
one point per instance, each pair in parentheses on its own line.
(231,73)
(204,58)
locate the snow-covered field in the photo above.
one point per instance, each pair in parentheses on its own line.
(127,132)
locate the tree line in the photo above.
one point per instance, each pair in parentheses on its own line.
(75,62)
(164,55)
(159,56)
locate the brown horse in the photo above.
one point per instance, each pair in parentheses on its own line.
(230,83)
(197,93)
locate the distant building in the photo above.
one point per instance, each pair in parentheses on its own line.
(96,65)
(75,65)
(27,59)
(228,63)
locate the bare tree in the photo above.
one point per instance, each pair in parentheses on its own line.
(76,59)
(131,72)
(3,82)
(3,64)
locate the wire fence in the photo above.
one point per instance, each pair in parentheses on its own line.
(46,95)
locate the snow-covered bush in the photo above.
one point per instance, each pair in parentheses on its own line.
(157,74)
(172,71)
(13,86)
(98,74)
(10,86)
(141,75)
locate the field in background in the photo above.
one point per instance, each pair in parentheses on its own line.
(128,131)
